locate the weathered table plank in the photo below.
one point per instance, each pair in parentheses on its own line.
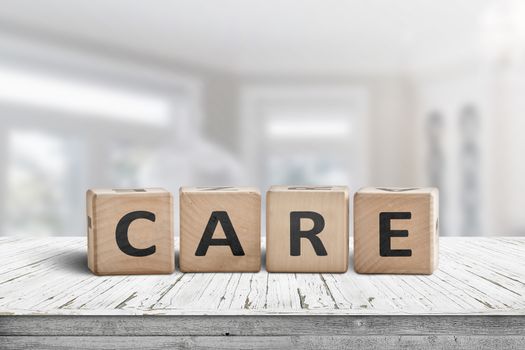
(270,342)
(49,276)
(476,298)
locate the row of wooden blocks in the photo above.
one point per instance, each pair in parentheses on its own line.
(130,231)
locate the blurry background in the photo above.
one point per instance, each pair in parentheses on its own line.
(169,93)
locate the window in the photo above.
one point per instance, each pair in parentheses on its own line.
(307,145)
(38,179)
(308,125)
(78,98)
(64,134)
(304,136)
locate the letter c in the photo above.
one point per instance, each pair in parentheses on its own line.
(122,233)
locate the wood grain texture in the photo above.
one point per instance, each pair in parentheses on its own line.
(269,342)
(420,226)
(106,207)
(266,332)
(331,203)
(242,205)
(49,299)
(261,325)
(49,276)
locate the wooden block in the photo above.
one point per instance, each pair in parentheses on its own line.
(396,230)
(130,231)
(220,229)
(307,229)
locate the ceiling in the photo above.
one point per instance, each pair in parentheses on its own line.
(266,36)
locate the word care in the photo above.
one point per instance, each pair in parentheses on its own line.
(130,231)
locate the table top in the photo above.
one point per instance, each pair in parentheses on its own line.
(49,276)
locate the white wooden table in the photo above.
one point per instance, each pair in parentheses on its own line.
(49,298)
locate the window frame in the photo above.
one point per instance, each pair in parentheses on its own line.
(256,98)
(179,89)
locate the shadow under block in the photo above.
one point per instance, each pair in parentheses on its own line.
(307,229)
(396,230)
(130,231)
(220,229)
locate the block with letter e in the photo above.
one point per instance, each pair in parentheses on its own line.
(307,229)
(220,229)
(396,230)
(130,231)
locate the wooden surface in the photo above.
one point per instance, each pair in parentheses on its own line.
(105,209)
(331,203)
(422,234)
(49,298)
(49,276)
(242,205)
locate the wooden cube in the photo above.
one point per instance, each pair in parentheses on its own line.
(220,229)
(307,229)
(396,230)
(130,231)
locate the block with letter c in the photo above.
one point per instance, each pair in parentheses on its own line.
(130,231)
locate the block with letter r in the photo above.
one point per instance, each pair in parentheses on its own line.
(307,229)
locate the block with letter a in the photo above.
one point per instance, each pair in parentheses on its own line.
(220,229)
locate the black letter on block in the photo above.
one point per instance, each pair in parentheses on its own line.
(296,234)
(122,233)
(231,237)
(385,233)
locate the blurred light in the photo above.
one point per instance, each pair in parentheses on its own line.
(306,128)
(37,173)
(81,98)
